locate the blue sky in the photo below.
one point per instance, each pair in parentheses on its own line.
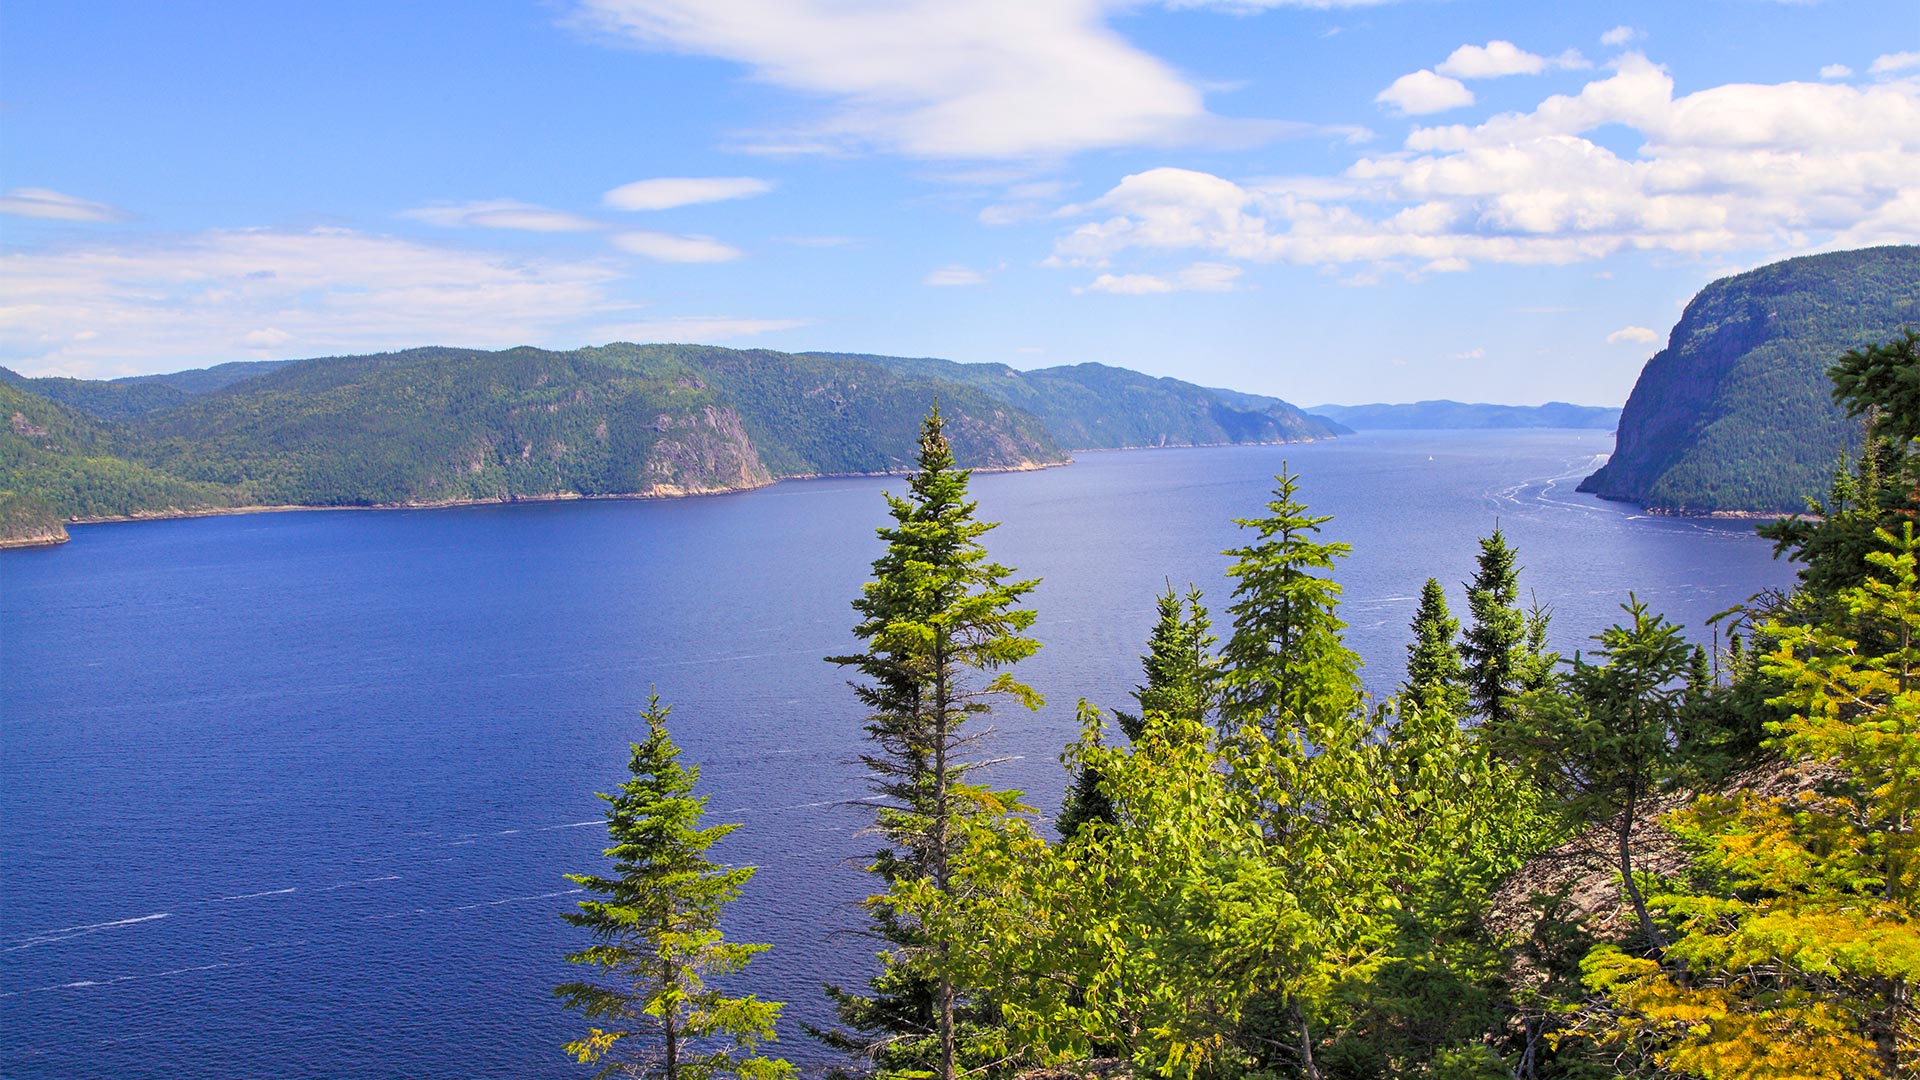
(1325,201)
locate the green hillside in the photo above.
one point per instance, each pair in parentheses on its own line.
(57,463)
(1735,414)
(114,400)
(441,425)
(437,425)
(1094,406)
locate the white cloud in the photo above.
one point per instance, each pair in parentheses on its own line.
(675,248)
(1836,71)
(1736,168)
(1200,277)
(667,192)
(227,294)
(954,276)
(53,205)
(1619,35)
(1425,92)
(501,214)
(1470,354)
(1632,335)
(694,329)
(1892,62)
(1492,60)
(989,79)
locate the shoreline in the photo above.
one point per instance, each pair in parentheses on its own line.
(1723,515)
(663,491)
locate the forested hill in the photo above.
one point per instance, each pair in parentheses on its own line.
(437,425)
(1735,414)
(1097,407)
(1457,415)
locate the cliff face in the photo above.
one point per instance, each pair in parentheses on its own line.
(1735,414)
(29,522)
(704,451)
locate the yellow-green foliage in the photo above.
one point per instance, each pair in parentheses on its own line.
(1800,940)
(1148,935)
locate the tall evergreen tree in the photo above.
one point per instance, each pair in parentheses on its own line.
(1297,735)
(1435,674)
(656,928)
(1495,645)
(1285,658)
(937,616)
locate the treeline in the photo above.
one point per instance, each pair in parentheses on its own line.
(1260,873)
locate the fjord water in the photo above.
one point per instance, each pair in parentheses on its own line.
(293,794)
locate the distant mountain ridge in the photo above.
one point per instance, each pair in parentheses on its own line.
(1736,413)
(1099,407)
(441,425)
(1446,415)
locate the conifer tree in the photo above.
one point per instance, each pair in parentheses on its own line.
(1296,735)
(656,928)
(1495,646)
(1537,663)
(937,619)
(1179,668)
(1435,674)
(1178,664)
(1285,658)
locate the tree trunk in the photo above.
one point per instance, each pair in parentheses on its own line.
(673,1035)
(942,816)
(1530,1030)
(1307,1065)
(1655,939)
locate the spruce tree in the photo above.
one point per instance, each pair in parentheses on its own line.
(656,928)
(1435,674)
(1298,739)
(1495,644)
(1178,664)
(937,618)
(1285,657)
(1179,668)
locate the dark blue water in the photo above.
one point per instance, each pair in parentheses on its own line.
(293,794)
